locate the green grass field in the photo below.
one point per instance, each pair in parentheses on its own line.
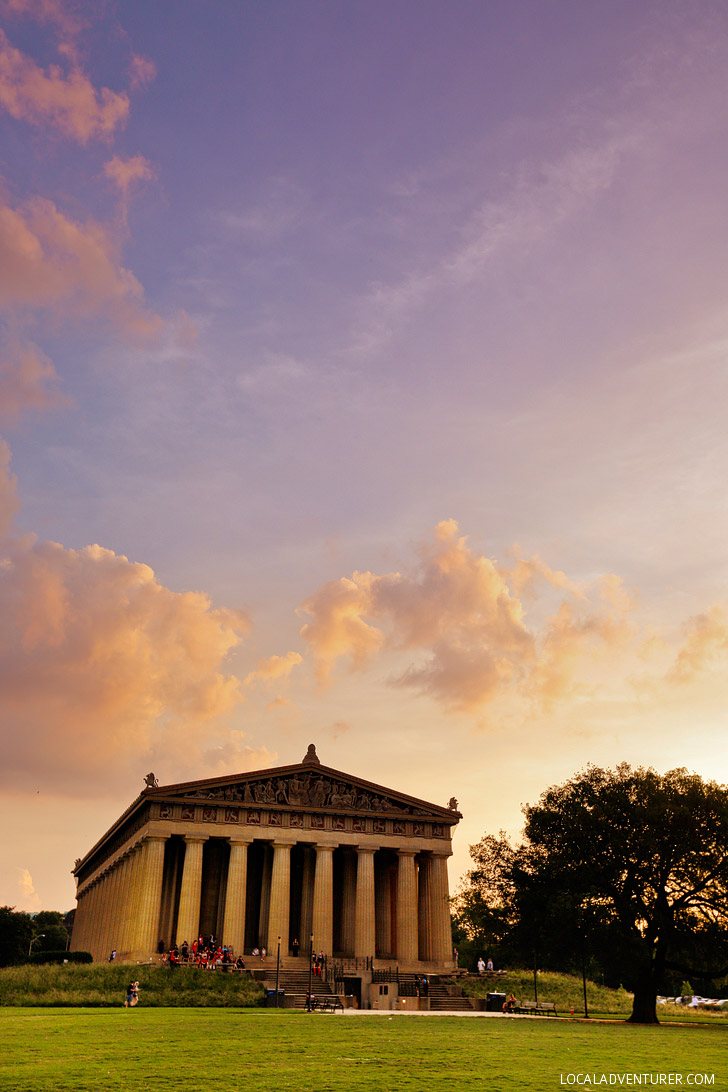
(229,1050)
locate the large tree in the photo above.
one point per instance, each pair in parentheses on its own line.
(629,866)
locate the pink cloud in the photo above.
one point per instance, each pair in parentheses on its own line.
(124,173)
(141,71)
(27,380)
(66,101)
(49,261)
(62,15)
(9,503)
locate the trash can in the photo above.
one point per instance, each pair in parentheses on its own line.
(495,1002)
(270,999)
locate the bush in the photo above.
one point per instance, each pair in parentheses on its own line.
(60,957)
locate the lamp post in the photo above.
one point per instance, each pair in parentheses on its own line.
(33,940)
(310,971)
(278,968)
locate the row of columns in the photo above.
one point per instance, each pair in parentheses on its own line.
(121,908)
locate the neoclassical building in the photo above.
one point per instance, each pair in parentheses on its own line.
(295,851)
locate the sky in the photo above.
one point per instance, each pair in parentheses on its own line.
(363,383)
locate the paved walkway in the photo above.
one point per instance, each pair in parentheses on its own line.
(477,1014)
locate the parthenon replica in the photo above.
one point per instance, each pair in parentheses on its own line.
(294,852)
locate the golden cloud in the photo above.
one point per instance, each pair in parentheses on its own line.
(273,668)
(463,613)
(102,667)
(705,644)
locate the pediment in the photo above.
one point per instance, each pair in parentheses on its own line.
(306,788)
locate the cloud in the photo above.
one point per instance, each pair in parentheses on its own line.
(141,71)
(9,503)
(27,380)
(540,197)
(705,644)
(462,611)
(273,668)
(103,669)
(57,12)
(126,172)
(65,101)
(49,261)
(30,897)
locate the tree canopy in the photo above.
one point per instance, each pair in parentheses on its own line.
(626,868)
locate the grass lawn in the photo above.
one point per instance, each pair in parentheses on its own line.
(231,1050)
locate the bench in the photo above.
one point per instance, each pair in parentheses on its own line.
(536,1008)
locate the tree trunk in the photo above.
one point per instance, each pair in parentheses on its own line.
(644,1006)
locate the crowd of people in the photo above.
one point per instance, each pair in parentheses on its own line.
(205,952)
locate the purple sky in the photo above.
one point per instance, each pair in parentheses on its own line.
(362,381)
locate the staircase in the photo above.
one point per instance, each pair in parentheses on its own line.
(444,994)
(292,979)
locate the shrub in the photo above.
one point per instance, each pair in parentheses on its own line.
(60,957)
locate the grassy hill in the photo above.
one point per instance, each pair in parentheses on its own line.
(102,985)
(564,990)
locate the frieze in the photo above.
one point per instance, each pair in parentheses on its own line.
(209,815)
(232,815)
(111,847)
(308,790)
(188,813)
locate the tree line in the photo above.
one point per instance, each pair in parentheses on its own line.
(622,875)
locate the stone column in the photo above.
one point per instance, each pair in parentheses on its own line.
(109,938)
(280,898)
(188,918)
(383,909)
(407,930)
(424,908)
(348,903)
(151,900)
(440,910)
(323,900)
(309,864)
(97,921)
(127,907)
(233,929)
(133,901)
(365,934)
(80,921)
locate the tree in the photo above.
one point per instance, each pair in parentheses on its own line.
(630,868)
(483,918)
(50,930)
(16,932)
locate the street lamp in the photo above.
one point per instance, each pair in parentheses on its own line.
(39,937)
(278,968)
(310,971)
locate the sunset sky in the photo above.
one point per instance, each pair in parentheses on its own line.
(363,381)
